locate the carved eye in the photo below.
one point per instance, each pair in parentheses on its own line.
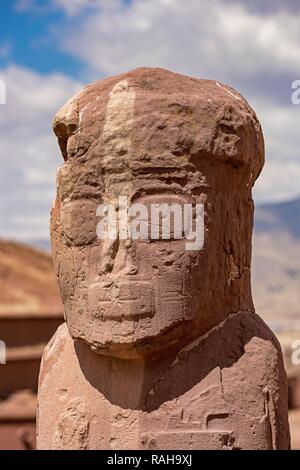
(78,220)
(163,216)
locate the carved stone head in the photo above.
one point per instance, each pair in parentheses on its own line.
(154,137)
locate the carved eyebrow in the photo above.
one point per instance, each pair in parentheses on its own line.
(81,192)
(163,166)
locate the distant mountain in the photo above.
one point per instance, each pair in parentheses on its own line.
(276,264)
(28,284)
(280,217)
(43,244)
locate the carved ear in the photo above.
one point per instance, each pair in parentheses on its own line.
(65,123)
(61,132)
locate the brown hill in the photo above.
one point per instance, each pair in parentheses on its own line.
(27,283)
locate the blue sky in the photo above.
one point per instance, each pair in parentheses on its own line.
(27,34)
(50,48)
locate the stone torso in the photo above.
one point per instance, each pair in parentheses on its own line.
(220,392)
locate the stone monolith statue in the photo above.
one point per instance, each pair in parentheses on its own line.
(161,348)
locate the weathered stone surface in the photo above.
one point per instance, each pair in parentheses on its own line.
(224,391)
(182,359)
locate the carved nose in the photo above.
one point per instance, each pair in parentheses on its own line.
(117,258)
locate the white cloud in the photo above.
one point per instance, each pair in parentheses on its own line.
(281,174)
(28,149)
(281,124)
(279,181)
(257,53)
(222,40)
(74,7)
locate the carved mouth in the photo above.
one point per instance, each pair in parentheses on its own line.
(131,299)
(137,298)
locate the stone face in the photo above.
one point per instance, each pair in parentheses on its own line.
(154,136)
(162,348)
